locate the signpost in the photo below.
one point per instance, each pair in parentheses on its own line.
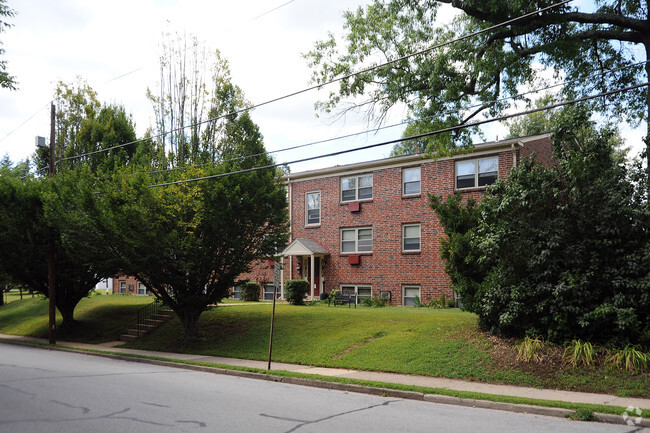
(277,267)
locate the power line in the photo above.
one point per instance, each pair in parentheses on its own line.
(123,75)
(401,123)
(332,81)
(270,10)
(413,137)
(28,119)
(48,103)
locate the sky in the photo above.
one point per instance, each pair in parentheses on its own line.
(114,46)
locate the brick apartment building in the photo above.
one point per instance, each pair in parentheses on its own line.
(367,228)
(128,285)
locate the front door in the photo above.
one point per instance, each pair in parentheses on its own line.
(306,273)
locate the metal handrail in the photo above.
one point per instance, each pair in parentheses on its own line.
(148,311)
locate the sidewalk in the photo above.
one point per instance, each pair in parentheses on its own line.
(422,381)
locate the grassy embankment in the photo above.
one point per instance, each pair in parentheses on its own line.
(445,343)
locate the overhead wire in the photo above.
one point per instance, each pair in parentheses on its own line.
(341,137)
(140,68)
(332,81)
(27,120)
(413,137)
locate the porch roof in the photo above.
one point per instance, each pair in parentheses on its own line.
(304,247)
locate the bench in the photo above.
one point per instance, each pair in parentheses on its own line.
(341,299)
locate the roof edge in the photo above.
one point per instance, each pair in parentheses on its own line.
(408,159)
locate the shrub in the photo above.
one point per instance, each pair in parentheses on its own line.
(561,251)
(440,302)
(296,290)
(250,292)
(375,301)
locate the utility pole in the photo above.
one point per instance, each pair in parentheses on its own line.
(50,254)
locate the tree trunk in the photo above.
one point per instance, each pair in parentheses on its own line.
(66,308)
(190,320)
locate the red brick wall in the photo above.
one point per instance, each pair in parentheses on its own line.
(387,268)
(541,150)
(131,284)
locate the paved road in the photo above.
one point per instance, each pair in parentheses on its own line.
(52,391)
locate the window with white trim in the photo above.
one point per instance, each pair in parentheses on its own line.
(411,237)
(122,287)
(235,293)
(361,291)
(477,172)
(312,205)
(354,188)
(411,181)
(356,240)
(142,289)
(268,292)
(409,295)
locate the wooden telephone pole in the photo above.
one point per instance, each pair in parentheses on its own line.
(50,254)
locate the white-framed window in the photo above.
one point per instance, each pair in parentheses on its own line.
(142,289)
(477,172)
(356,240)
(354,188)
(268,292)
(409,293)
(312,206)
(122,287)
(411,181)
(360,290)
(411,235)
(236,294)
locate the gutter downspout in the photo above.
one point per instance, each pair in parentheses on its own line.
(514,152)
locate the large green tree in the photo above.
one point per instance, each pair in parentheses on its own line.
(75,102)
(86,127)
(188,242)
(560,251)
(192,97)
(27,227)
(6,81)
(110,128)
(460,82)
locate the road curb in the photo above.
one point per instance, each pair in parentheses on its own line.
(361,389)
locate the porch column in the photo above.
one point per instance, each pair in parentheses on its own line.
(312,282)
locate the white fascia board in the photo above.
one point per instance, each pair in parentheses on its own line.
(401,161)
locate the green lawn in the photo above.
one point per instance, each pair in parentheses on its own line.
(14,295)
(425,341)
(102,318)
(445,343)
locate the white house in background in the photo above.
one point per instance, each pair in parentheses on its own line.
(105,286)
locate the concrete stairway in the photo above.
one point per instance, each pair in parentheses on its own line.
(148,325)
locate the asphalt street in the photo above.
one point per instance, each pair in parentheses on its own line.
(53,391)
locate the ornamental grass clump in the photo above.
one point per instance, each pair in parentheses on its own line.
(630,357)
(579,352)
(530,349)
